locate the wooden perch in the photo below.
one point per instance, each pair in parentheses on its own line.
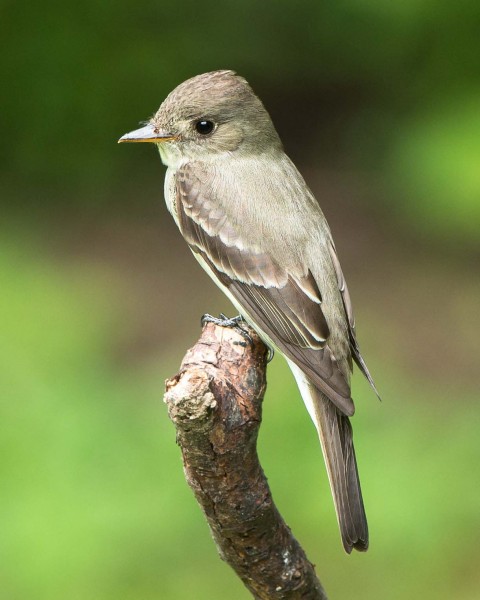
(215,402)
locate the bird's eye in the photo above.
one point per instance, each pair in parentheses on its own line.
(204,127)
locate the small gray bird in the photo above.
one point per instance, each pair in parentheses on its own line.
(256,228)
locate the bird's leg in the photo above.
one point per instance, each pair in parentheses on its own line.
(235,322)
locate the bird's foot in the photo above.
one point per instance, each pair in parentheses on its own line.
(235,322)
(224,321)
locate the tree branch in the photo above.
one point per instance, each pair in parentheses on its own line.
(215,403)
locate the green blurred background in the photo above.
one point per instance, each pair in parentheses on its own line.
(378,103)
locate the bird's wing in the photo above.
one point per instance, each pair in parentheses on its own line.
(285,306)
(347,304)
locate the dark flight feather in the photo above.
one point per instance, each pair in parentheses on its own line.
(347,304)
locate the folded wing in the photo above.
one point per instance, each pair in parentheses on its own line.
(285,305)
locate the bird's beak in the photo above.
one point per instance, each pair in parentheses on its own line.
(149,133)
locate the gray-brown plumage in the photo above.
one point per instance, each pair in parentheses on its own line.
(255,227)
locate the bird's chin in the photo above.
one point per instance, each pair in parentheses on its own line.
(170,154)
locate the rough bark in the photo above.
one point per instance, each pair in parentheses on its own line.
(215,403)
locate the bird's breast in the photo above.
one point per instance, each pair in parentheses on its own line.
(170,191)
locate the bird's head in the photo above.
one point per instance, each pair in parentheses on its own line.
(210,114)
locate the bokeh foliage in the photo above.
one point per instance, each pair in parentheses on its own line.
(381,95)
(75,74)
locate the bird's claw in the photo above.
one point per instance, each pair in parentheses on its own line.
(224,321)
(235,322)
(270,353)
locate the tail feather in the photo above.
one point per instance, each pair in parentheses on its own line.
(335,433)
(336,437)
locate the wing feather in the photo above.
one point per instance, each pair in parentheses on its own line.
(347,304)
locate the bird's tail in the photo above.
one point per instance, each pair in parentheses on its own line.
(335,433)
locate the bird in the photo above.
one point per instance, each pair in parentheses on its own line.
(253,224)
